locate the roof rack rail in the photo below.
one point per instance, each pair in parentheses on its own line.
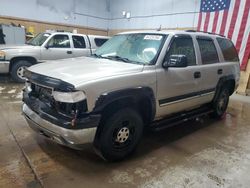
(204,32)
(190,30)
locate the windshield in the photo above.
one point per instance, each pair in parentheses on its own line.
(39,39)
(132,48)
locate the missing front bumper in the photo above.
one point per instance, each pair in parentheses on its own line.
(75,139)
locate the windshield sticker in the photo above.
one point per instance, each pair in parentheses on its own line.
(153,37)
(46,35)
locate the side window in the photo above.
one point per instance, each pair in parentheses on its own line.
(99,42)
(228,50)
(182,46)
(78,41)
(59,41)
(208,51)
(1,36)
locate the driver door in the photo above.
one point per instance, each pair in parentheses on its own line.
(58,47)
(178,86)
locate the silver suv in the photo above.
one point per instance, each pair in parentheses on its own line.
(46,46)
(136,80)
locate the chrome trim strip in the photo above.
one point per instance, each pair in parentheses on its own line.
(189,98)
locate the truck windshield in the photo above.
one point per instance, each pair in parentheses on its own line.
(39,39)
(132,48)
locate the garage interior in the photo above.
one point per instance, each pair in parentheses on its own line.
(199,153)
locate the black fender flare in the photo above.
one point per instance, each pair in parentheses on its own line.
(135,94)
(221,82)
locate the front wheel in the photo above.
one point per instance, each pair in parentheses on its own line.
(120,134)
(220,103)
(18,69)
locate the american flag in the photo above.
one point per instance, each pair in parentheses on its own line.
(231,19)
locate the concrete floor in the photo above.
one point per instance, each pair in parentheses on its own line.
(203,153)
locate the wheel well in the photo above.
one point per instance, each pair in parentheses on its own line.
(32,60)
(230,85)
(141,104)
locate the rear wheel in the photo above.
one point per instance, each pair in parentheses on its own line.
(17,70)
(220,103)
(120,134)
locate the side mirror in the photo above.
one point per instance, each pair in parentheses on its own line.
(47,46)
(176,61)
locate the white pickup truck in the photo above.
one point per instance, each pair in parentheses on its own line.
(46,46)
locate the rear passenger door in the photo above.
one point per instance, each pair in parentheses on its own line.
(80,46)
(211,68)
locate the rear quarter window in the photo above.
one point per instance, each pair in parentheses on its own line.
(228,50)
(99,42)
(1,36)
(208,51)
(78,41)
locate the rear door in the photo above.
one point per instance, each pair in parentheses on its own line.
(58,47)
(178,87)
(211,69)
(80,46)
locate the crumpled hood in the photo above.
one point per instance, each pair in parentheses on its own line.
(12,47)
(79,70)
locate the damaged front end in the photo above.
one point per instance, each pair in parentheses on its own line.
(58,103)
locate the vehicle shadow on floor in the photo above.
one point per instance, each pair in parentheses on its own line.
(5,78)
(150,142)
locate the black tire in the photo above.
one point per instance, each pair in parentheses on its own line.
(17,69)
(120,134)
(220,103)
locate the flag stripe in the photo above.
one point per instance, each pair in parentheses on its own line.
(243,25)
(238,22)
(199,21)
(216,16)
(211,21)
(219,22)
(224,21)
(206,21)
(234,18)
(229,17)
(246,55)
(244,41)
(203,21)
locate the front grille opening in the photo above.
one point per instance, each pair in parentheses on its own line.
(44,94)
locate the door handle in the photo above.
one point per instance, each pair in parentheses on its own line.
(197,75)
(220,71)
(69,52)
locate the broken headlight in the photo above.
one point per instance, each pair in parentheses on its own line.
(69,97)
(28,87)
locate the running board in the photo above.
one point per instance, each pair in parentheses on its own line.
(179,118)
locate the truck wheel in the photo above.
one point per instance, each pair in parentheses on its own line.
(220,104)
(17,70)
(120,134)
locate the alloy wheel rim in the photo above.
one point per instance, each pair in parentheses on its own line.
(20,71)
(122,135)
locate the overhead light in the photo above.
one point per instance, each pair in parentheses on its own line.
(124,13)
(128,15)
